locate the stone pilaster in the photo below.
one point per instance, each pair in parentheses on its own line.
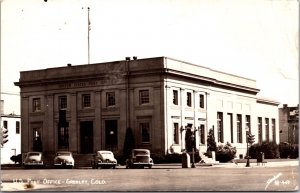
(74,137)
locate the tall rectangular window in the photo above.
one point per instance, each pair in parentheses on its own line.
(145,131)
(189,99)
(220,127)
(86,100)
(239,128)
(5,124)
(17,127)
(201,103)
(259,125)
(230,126)
(36,104)
(273,130)
(202,134)
(248,123)
(267,129)
(175,97)
(110,99)
(62,102)
(176,133)
(144,97)
(63,135)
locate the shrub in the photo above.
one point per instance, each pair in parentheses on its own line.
(270,150)
(287,150)
(254,150)
(157,158)
(295,152)
(225,153)
(121,159)
(173,158)
(16,158)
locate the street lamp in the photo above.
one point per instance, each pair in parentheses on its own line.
(247,141)
(193,147)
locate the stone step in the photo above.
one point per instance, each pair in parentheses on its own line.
(207,160)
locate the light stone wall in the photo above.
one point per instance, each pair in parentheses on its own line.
(223,93)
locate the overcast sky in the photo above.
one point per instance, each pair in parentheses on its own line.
(256,39)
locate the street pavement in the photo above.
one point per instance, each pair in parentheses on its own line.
(9,186)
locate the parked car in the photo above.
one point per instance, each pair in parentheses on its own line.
(64,159)
(33,159)
(104,159)
(139,158)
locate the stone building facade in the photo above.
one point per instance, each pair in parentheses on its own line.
(163,100)
(289,124)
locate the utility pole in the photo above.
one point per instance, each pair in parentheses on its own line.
(89,28)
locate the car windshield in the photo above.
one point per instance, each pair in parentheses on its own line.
(140,152)
(63,153)
(106,154)
(33,154)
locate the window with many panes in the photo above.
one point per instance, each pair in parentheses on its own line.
(273,130)
(86,100)
(110,99)
(144,97)
(201,103)
(36,104)
(267,129)
(189,99)
(63,135)
(230,126)
(145,132)
(239,128)
(259,125)
(176,133)
(220,127)
(17,127)
(248,123)
(202,134)
(62,102)
(175,97)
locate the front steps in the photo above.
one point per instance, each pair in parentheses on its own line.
(207,160)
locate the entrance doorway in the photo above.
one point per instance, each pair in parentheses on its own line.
(111,135)
(86,137)
(37,140)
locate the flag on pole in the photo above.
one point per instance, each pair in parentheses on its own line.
(89,21)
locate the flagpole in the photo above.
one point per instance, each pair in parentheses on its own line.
(88,35)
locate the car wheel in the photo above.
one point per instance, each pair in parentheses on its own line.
(150,167)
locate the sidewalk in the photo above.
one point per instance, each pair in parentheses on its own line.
(254,164)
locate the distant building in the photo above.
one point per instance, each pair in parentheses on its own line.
(85,108)
(13,146)
(289,124)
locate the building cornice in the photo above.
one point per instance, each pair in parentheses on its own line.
(267,101)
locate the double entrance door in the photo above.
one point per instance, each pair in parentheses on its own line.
(87,139)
